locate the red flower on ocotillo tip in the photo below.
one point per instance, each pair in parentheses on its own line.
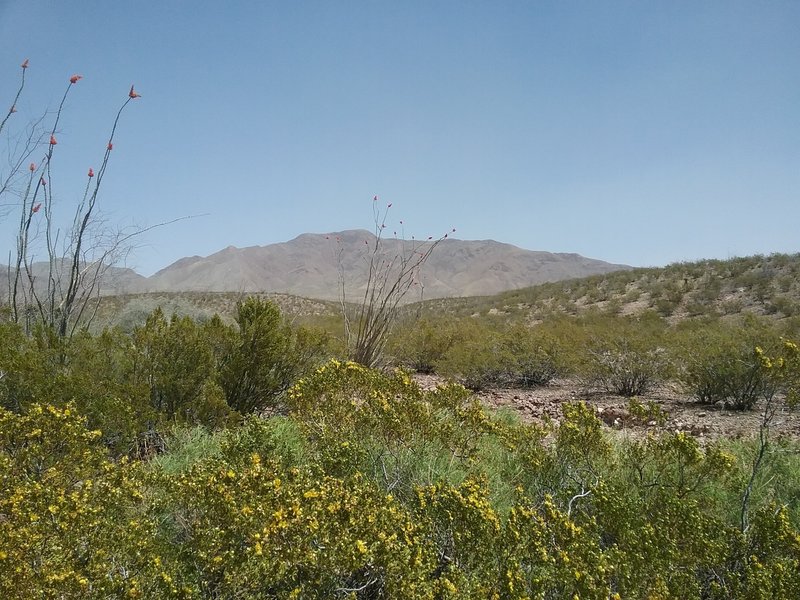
(75,78)
(110,146)
(134,94)
(53,141)
(13,109)
(36,208)
(91,172)
(42,181)
(24,64)
(32,167)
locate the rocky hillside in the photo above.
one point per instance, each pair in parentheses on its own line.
(310,266)
(761,285)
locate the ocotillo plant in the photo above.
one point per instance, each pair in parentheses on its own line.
(392,271)
(76,257)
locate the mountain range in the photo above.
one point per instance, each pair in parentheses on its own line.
(314,266)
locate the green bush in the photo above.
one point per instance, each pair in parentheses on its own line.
(422,344)
(481,362)
(73,522)
(719,363)
(625,356)
(265,356)
(510,356)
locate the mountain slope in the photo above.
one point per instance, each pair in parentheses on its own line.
(310,265)
(759,285)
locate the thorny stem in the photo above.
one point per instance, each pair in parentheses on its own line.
(16,99)
(57,304)
(763,445)
(75,277)
(47,204)
(388,282)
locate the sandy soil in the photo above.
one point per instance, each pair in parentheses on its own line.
(704,422)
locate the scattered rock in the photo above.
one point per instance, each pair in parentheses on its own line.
(686,415)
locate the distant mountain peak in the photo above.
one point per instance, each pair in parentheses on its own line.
(309,266)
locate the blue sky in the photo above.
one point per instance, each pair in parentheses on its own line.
(634,132)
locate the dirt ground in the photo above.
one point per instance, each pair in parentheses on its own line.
(682,414)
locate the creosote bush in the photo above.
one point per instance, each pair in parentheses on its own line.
(483,356)
(265,356)
(167,371)
(625,356)
(720,364)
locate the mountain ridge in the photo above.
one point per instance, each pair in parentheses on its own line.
(310,264)
(313,265)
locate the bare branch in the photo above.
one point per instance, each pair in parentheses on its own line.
(390,276)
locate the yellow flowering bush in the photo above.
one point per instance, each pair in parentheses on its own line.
(71,521)
(371,487)
(259,530)
(386,425)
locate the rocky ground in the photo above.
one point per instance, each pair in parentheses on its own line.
(680,413)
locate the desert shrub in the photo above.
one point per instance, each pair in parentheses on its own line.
(536,355)
(422,344)
(719,363)
(625,370)
(632,295)
(766,559)
(20,362)
(625,356)
(664,537)
(73,523)
(176,361)
(784,305)
(479,362)
(94,372)
(665,306)
(100,377)
(288,534)
(265,356)
(386,426)
(513,355)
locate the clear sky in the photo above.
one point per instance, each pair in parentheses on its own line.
(634,132)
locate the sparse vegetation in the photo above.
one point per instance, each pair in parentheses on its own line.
(224,452)
(391,275)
